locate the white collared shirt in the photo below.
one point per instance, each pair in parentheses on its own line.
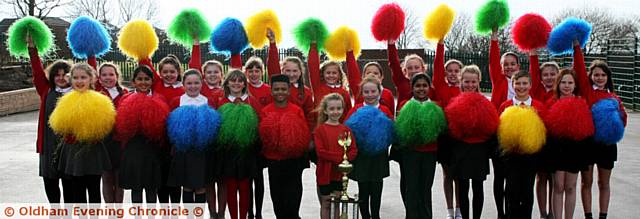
(421,102)
(64,90)
(176,85)
(377,105)
(595,87)
(257,86)
(233,98)
(212,87)
(511,92)
(518,102)
(186,100)
(148,94)
(334,85)
(113,92)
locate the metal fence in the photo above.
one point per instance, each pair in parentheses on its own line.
(621,55)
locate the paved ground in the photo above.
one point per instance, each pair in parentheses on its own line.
(20,182)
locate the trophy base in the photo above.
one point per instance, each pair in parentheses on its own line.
(343,205)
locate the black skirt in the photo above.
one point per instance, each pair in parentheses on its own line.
(191,169)
(80,159)
(545,159)
(370,168)
(444,150)
(141,165)
(235,164)
(569,155)
(114,150)
(470,160)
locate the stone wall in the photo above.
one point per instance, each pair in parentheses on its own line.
(18,101)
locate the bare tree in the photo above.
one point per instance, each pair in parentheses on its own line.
(460,32)
(410,36)
(36,8)
(143,9)
(97,9)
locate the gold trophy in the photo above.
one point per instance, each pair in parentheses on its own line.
(345,167)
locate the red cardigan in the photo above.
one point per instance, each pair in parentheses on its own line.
(41,83)
(262,93)
(424,148)
(443,93)
(403,84)
(538,105)
(586,88)
(499,82)
(381,107)
(330,152)
(175,103)
(170,92)
(306,101)
(321,89)
(250,100)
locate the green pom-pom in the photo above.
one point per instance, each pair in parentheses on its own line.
(310,30)
(493,14)
(239,128)
(189,23)
(39,32)
(419,124)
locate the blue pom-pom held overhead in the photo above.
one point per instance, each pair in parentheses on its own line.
(562,36)
(229,37)
(372,128)
(193,127)
(88,37)
(607,121)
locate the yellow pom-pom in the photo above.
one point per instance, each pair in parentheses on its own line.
(341,41)
(521,130)
(89,116)
(138,39)
(257,25)
(438,23)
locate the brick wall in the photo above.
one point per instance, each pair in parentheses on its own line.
(18,101)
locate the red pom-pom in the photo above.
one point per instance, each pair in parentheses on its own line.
(141,114)
(471,117)
(531,31)
(284,136)
(570,118)
(388,23)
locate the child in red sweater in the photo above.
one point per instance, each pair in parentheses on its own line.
(328,150)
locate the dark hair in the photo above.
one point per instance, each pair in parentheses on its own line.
(142,69)
(375,64)
(602,65)
(233,74)
(117,69)
(191,71)
(562,73)
(279,78)
(171,60)
(419,76)
(519,75)
(54,68)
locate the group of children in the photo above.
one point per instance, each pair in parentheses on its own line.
(157,145)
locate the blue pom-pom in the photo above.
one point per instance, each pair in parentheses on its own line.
(193,127)
(562,36)
(229,37)
(372,128)
(607,121)
(88,37)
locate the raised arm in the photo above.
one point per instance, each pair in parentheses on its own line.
(403,86)
(354,75)
(273,60)
(582,79)
(196,61)
(314,68)
(499,84)
(39,78)
(534,72)
(439,84)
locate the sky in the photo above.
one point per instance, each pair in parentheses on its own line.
(358,14)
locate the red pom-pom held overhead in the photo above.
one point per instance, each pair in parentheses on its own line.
(388,23)
(531,31)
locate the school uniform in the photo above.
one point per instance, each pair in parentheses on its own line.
(521,169)
(418,167)
(330,154)
(285,160)
(320,88)
(192,168)
(113,147)
(355,78)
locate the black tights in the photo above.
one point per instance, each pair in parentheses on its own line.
(478,197)
(188,197)
(136,195)
(82,185)
(257,193)
(168,192)
(499,195)
(52,189)
(369,191)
